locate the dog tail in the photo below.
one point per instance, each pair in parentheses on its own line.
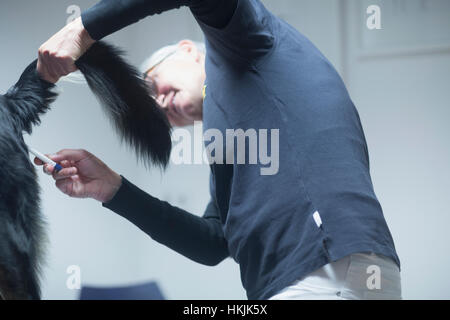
(127,100)
(29,98)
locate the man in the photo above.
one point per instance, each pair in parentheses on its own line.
(180,94)
(312,230)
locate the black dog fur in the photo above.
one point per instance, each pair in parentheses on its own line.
(136,117)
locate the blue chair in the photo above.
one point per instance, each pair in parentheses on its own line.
(146,291)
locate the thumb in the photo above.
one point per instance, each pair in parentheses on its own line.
(70,155)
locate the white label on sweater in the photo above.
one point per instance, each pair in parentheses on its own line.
(317,218)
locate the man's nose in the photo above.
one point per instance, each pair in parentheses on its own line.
(153,85)
(160,99)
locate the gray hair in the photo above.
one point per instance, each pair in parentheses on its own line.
(165,52)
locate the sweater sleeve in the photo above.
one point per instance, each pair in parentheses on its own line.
(109,16)
(200,239)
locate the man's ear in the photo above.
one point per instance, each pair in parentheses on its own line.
(189,47)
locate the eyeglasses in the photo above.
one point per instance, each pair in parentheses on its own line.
(151,83)
(157,64)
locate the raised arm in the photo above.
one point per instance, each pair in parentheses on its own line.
(109,16)
(57,56)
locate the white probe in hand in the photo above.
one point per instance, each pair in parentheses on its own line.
(45,159)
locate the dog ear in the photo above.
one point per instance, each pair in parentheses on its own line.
(127,100)
(29,98)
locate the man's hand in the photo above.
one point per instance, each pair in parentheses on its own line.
(83,175)
(57,56)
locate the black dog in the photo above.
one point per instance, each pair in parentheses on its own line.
(136,117)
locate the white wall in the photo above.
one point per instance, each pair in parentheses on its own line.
(399,80)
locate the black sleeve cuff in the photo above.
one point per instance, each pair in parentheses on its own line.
(121,196)
(131,203)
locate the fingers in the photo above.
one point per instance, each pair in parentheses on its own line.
(66,185)
(57,56)
(54,157)
(44,71)
(64,173)
(71,155)
(38,161)
(67,158)
(61,174)
(52,66)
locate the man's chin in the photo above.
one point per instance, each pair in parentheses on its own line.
(180,121)
(190,112)
(181,124)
